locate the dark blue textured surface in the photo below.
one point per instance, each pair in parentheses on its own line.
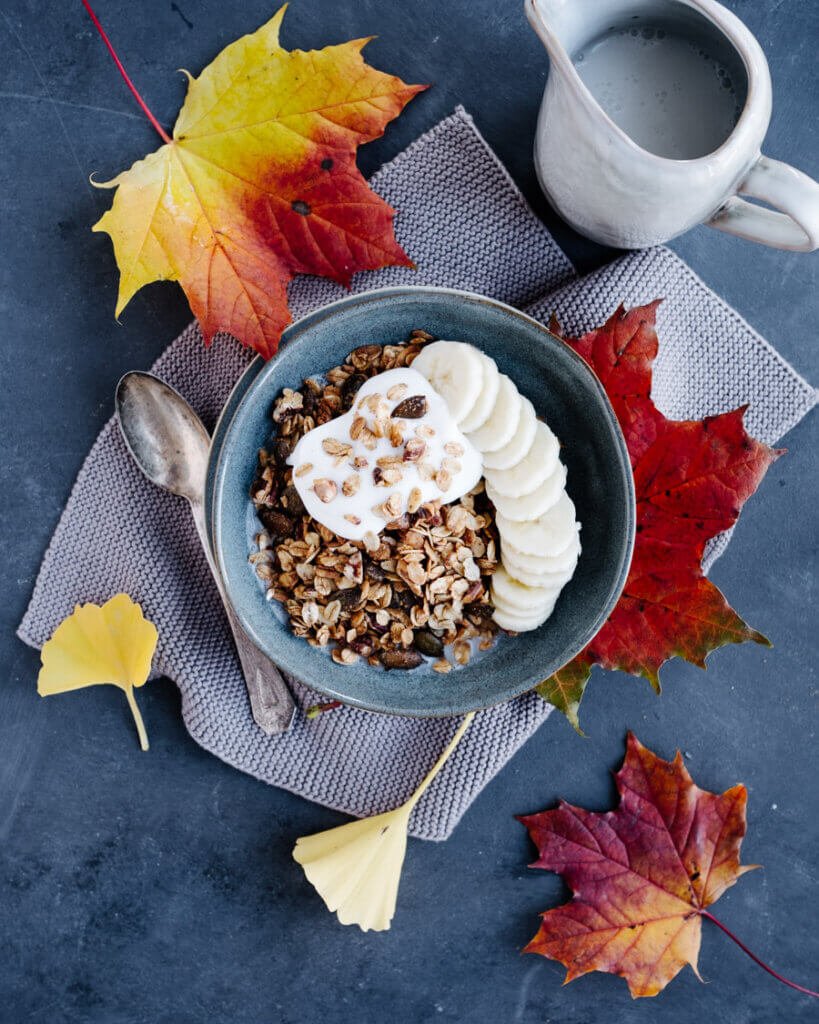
(158,888)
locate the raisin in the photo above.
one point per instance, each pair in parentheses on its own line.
(403,599)
(476,610)
(292,502)
(282,450)
(308,406)
(412,408)
(373,571)
(276,523)
(349,389)
(400,658)
(348,598)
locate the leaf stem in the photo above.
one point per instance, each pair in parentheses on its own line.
(124,73)
(316,709)
(439,764)
(756,959)
(140,725)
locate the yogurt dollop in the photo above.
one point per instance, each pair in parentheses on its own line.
(397,448)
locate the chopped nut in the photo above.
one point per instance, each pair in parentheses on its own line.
(471,570)
(411,408)
(397,391)
(461,651)
(414,500)
(457,520)
(305,467)
(344,656)
(443,479)
(336,448)
(325,489)
(359,462)
(395,433)
(453,448)
(369,439)
(415,574)
(414,449)
(393,504)
(352,519)
(289,403)
(351,485)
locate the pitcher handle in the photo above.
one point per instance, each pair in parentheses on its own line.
(789,190)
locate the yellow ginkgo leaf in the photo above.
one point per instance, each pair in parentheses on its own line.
(109,644)
(356,867)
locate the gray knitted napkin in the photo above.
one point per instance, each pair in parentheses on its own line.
(466,225)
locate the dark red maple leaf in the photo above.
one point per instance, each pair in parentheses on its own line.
(691,478)
(643,875)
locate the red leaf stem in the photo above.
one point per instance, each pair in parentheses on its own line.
(164,135)
(756,959)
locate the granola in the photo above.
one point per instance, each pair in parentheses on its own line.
(419,587)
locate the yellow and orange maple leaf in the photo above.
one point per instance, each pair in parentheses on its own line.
(258,184)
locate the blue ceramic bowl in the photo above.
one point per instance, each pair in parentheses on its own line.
(565,393)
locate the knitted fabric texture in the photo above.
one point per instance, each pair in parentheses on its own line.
(465,224)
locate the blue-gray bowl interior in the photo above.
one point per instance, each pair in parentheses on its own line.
(564,392)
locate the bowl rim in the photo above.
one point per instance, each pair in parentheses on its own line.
(244,387)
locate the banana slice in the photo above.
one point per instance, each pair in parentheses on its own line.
(456,371)
(482,409)
(540,564)
(536,579)
(503,421)
(512,596)
(513,451)
(528,474)
(531,506)
(519,623)
(552,533)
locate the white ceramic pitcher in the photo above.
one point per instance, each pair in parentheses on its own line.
(612,190)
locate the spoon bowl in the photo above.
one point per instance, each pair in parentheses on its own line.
(170,445)
(164,435)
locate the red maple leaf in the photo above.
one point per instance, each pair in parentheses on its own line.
(642,876)
(691,478)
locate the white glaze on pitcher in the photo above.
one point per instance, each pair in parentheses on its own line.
(611,188)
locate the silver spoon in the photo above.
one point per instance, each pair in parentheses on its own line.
(170,445)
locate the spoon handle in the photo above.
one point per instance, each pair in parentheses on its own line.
(271,702)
